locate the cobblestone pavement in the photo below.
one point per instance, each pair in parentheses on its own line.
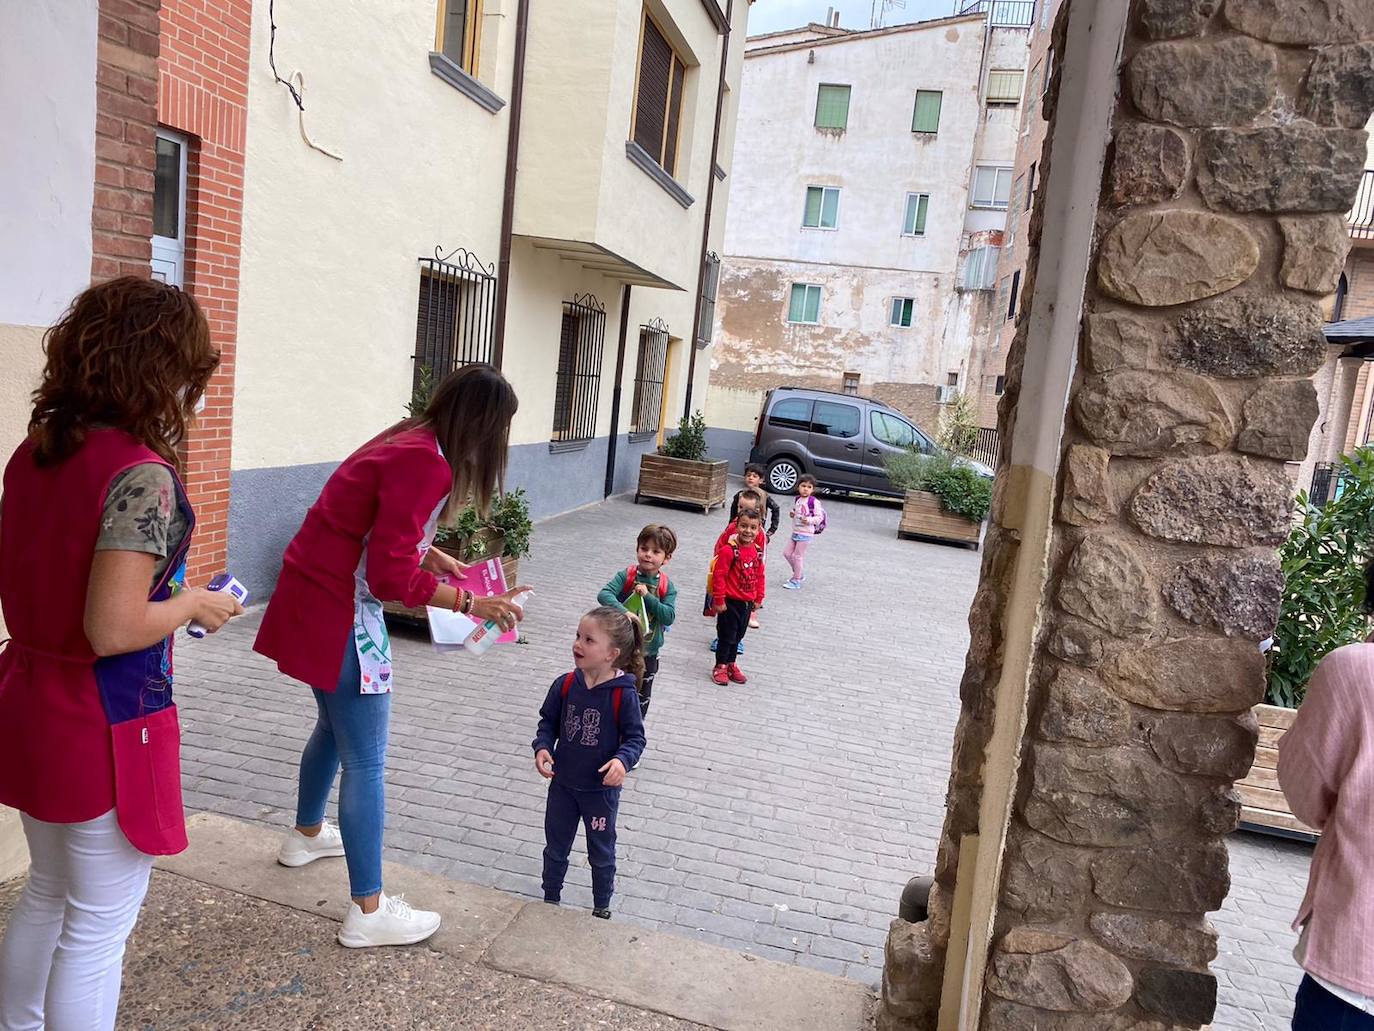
(782,817)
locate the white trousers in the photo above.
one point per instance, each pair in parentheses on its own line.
(63,954)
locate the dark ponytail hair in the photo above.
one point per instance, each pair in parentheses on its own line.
(627,635)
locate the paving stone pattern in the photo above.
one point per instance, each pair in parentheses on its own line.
(782,817)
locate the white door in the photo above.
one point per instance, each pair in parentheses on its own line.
(169,208)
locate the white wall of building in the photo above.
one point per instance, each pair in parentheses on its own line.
(47,75)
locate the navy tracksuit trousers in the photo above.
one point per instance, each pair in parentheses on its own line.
(596,810)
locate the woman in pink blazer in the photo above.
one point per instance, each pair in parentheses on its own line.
(364,542)
(1326,770)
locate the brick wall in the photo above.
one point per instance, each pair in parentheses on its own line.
(125,117)
(203,92)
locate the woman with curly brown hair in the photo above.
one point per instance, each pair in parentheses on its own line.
(94,530)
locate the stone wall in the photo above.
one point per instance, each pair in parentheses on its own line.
(1235,151)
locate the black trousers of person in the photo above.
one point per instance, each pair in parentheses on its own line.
(646,687)
(731,626)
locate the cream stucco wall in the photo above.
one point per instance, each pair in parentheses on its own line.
(330,271)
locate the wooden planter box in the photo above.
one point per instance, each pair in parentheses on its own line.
(1263,807)
(925,517)
(676,479)
(509,566)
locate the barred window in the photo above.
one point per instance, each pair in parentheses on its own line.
(455,314)
(710,285)
(650,369)
(581,342)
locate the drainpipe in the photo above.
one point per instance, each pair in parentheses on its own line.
(710,197)
(517,98)
(615,391)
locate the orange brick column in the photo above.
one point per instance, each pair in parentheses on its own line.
(203,92)
(125,117)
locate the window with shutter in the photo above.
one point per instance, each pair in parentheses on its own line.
(658,97)
(460,30)
(805,305)
(1004,87)
(902,311)
(822,207)
(926,117)
(709,285)
(832,107)
(914,222)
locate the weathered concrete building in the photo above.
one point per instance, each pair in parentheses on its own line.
(872,178)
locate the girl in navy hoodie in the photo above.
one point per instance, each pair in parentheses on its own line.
(590,732)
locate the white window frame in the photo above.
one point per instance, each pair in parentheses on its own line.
(900,308)
(909,215)
(168,254)
(820,295)
(991,203)
(820,215)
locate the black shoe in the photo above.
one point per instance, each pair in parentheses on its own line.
(552,902)
(601,914)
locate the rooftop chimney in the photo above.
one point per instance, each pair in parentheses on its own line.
(829,15)
(835,22)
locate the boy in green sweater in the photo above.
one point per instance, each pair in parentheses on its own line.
(657,594)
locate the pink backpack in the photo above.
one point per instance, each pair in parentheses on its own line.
(812,505)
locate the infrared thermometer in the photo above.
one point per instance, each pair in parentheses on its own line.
(222,582)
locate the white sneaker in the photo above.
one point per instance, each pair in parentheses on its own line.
(298,850)
(393,923)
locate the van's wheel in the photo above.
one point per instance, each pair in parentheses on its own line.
(783,475)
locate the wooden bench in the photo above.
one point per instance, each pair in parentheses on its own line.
(1263,807)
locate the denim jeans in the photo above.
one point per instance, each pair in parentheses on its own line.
(1319,1010)
(351,730)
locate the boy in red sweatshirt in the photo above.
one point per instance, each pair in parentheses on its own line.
(737,585)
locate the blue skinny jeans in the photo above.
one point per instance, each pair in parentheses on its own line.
(351,730)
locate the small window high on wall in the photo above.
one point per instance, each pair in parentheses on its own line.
(169,207)
(658,97)
(832,106)
(926,116)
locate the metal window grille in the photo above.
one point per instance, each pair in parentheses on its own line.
(1324,478)
(580,345)
(455,316)
(710,284)
(650,369)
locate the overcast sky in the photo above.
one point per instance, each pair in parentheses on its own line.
(772,15)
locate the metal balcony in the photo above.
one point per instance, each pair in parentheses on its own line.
(1015,14)
(1361,217)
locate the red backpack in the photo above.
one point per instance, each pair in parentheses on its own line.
(632,574)
(616,692)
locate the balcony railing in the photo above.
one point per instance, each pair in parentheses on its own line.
(1018,14)
(1361,217)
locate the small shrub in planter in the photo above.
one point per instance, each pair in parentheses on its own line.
(945,500)
(680,471)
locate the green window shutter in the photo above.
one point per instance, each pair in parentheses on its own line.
(832,107)
(907,306)
(830,209)
(812,218)
(927,115)
(813,304)
(915,222)
(797,308)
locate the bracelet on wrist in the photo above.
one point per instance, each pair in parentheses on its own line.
(457,605)
(468,600)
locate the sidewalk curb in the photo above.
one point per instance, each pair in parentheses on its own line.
(690,980)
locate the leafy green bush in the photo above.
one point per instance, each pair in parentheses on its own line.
(509,520)
(959,488)
(689,442)
(1323,563)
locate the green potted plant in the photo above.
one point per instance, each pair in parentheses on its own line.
(681,471)
(945,499)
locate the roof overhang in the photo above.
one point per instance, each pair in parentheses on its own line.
(1355,335)
(595,258)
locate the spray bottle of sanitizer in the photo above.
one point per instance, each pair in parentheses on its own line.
(484,635)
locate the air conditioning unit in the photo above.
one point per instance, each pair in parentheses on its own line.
(945,395)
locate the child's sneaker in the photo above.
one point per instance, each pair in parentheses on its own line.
(736,674)
(714,641)
(792,585)
(720,675)
(601,914)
